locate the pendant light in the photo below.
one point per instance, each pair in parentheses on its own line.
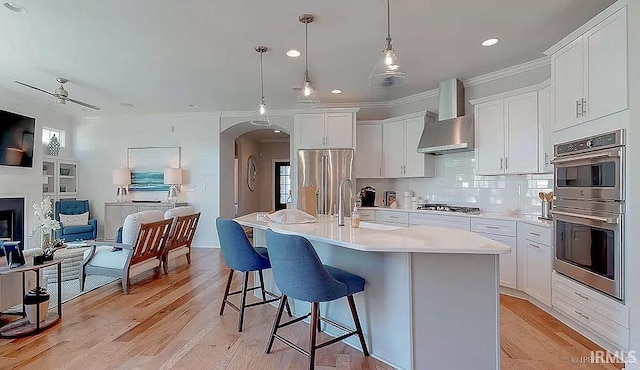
(262,116)
(307,96)
(386,73)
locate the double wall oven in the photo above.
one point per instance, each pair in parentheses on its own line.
(589,211)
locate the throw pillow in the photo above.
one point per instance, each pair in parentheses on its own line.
(74,220)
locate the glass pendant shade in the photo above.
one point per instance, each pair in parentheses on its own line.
(307,95)
(386,72)
(261,118)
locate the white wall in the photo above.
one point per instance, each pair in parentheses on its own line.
(101,145)
(27,182)
(633,180)
(455,183)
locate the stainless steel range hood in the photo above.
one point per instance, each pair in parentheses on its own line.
(453,132)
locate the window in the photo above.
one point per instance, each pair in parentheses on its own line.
(47,134)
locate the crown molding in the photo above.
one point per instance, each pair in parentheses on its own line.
(413,98)
(509,71)
(523,90)
(215,114)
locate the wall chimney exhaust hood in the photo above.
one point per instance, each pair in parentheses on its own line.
(453,132)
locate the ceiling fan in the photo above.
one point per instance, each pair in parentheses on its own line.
(62,95)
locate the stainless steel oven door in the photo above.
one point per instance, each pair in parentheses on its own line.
(596,175)
(588,247)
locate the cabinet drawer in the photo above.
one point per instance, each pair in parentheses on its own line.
(451,222)
(392,217)
(591,300)
(368,215)
(599,324)
(537,234)
(495,227)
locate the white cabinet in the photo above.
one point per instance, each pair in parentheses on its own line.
(450,222)
(59,178)
(589,74)
(392,218)
(536,243)
(369,151)
(507,135)
(503,232)
(400,150)
(324,130)
(368,215)
(544,131)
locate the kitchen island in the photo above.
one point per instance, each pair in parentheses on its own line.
(432,294)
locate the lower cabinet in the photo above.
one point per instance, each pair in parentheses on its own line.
(504,232)
(451,222)
(535,242)
(392,218)
(116,212)
(368,215)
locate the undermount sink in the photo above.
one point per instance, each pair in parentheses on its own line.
(373,226)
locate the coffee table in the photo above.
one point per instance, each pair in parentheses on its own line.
(72,258)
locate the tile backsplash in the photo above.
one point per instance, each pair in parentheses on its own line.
(456,183)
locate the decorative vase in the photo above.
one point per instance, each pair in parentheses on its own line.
(54,146)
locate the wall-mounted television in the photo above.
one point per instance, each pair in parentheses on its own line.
(17,134)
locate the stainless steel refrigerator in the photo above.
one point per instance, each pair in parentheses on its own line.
(320,172)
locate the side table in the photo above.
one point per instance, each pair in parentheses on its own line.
(22,327)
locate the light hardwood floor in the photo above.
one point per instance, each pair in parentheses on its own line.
(173,322)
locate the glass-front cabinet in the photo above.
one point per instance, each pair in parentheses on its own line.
(59,178)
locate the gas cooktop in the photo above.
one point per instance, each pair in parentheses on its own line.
(448,208)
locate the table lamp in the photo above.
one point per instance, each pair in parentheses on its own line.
(122,178)
(173,177)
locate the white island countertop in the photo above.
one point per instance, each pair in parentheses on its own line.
(380,238)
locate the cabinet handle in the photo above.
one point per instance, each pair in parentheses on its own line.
(380,171)
(506,163)
(546,158)
(581,296)
(492,227)
(534,234)
(394,217)
(500,163)
(581,314)
(584,107)
(533,245)
(578,108)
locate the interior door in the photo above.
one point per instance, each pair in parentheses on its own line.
(606,67)
(414,161)
(393,149)
(282,185)
(489,120)
(521,146)
(568,75)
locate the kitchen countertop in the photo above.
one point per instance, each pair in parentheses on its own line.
(380,238)
(530,219)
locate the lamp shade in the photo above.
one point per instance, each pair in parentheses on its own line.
(121,176)
(173,176)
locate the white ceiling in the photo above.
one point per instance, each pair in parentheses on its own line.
(164,55)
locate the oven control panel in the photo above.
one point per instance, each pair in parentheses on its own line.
(610,140)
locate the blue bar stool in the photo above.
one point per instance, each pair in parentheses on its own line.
(300,274)
(240,255)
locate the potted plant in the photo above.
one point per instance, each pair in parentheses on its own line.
(48,226)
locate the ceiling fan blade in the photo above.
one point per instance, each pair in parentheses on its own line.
(35,88)
(83,104)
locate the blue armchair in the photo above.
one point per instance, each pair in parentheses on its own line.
(72,233)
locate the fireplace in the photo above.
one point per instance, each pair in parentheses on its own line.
(12,220)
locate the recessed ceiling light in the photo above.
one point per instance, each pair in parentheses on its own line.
(194,106)
(276,131)
(15,7)
(490,42)
(293,53)
(336,91)
(127,105)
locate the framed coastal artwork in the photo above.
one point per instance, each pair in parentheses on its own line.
(147,167)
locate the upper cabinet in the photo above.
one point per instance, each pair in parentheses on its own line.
(544,131)
(589,74)
(400,149)
(507,132)
(324,130)
(369,151)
